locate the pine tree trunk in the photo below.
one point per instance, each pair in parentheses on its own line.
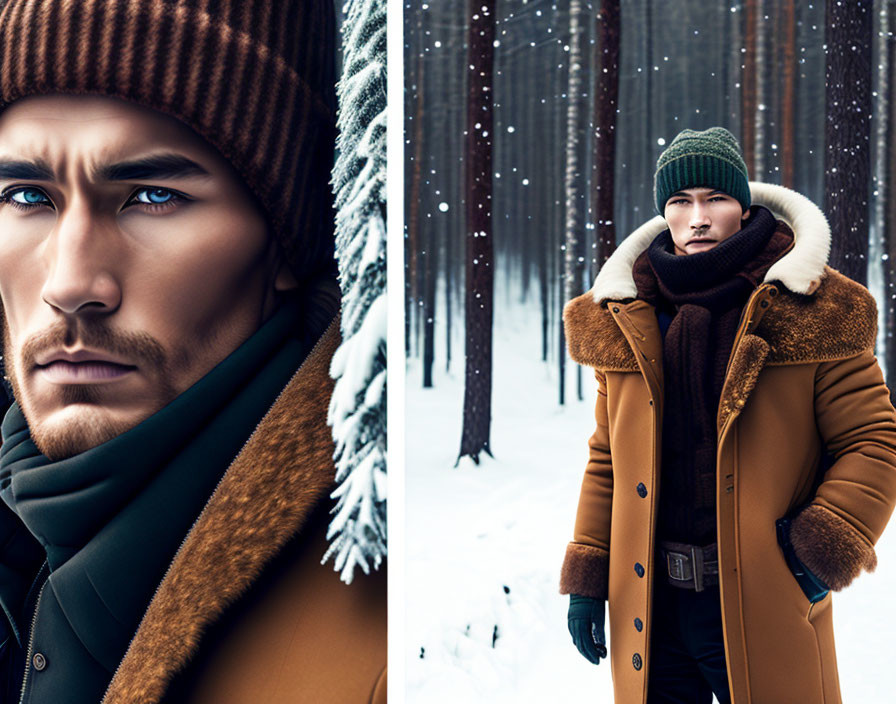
(575,166)
(413,225)
(760,121)
(479,249)
(890,233)
(748,90)
(431,236)
(606,99)
(789,98)
(847,133)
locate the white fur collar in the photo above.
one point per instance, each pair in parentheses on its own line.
(800,270)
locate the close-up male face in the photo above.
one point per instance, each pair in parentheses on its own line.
(700,218)
(132,260)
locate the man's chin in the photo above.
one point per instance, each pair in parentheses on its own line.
(76,429)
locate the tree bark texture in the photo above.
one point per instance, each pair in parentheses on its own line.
(606,101)
(847,133)
(748,88)
(789,99)
(889,47)
(479,245)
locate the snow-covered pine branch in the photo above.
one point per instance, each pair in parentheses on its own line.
(358,407)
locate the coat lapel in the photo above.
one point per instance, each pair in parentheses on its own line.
(283,472)
(837,321)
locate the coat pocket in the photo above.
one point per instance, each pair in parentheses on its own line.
(811,586)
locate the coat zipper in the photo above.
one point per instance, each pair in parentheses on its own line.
(31,641)
(210,498)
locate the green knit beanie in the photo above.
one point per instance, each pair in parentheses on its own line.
(711,158)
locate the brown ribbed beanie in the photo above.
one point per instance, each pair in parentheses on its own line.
(255,78)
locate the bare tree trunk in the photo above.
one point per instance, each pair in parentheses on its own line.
(575,167)
(413,224)
(606,99)
(789,99)
(479,256)
(748,92)
(847,133)
(431,236)
(760,119)
(888,47)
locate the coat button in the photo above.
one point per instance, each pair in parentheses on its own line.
(615,309)
(639,569)
(641,489)
(764,304)
(639,624)
(636,661)
(39,662)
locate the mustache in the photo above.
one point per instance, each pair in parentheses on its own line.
(140,348)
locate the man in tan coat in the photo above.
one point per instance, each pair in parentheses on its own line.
(744,461)
(170,311)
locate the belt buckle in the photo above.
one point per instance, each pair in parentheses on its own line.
(676,563)
(697,567)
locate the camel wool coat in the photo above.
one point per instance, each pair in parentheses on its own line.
(247,613)
(805,429)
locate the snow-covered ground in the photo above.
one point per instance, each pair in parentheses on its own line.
(485,543)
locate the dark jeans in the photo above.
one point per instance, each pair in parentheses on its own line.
(687,647)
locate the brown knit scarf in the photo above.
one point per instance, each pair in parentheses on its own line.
(700,298)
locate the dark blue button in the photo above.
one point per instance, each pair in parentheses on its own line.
(639,569)
(639,624)
(636,661)
(641,489)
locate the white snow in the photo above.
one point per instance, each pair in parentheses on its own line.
(472,530)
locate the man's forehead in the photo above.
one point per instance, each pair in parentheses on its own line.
(53,129)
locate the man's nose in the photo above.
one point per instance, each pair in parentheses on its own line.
(80,255)
(699,217)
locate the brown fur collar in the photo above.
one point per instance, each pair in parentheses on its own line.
(837,321)
(283,472)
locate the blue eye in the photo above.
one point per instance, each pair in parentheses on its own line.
(154,196)
(29,196)
(25,198)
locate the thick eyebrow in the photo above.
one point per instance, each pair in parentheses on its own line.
(154,167)
(17,170)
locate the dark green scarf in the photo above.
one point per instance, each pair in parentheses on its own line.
(110,519)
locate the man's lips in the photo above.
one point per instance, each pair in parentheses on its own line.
(81,367)
(83,372)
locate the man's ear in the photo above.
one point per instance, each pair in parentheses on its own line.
(285,279)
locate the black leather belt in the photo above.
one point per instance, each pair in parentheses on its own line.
(689,566)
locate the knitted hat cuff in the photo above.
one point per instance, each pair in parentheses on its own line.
(701,171)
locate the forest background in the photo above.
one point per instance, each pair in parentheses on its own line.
(532,130)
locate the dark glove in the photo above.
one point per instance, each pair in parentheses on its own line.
(814,589)
(586,626)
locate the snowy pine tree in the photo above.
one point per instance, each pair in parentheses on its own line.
(358,406)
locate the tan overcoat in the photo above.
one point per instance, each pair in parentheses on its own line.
(246,613)
(802,379)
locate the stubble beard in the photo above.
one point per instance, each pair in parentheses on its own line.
(93,424)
